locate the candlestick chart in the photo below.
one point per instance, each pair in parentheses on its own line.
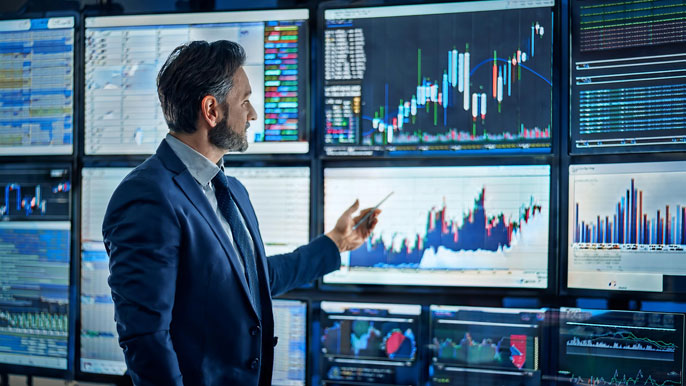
(447,225)
(478,81)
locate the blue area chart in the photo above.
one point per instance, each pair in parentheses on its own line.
(479,231)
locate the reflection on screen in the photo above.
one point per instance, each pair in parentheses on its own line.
(438,78)
(446,226)
(35,241)
(368,343)
(124,54)
(626,226)
(600,347)
(485,346)
(37,86)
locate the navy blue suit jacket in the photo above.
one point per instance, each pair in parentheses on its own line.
(182,306)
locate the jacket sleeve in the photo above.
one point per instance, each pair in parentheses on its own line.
(307,263)
(141,235)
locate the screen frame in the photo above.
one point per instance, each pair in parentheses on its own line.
(556,97)
(572,149)
(306,70)
(612,295)
(6,368)
(76,85)
(446,290)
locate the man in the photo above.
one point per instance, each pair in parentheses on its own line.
(190,281)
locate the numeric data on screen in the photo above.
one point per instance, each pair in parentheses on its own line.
(628,75)
(290,353)
(124,55)
(100,351)
(37,86)
(35,240)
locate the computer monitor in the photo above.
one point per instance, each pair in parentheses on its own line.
(290,326)
(626,226)
(476,226)
(100,351)
(124,54)
(603,347)
(37,96)
(280,196)
(35,239)
(628,81)
(486,346)
(281,199)
(369,343)
(448,78)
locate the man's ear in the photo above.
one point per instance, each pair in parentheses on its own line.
(209,110)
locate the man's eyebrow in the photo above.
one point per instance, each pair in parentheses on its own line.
(247,94)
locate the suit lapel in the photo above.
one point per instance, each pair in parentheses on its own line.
(189,186)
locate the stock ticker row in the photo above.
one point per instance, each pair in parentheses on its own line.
(469,78)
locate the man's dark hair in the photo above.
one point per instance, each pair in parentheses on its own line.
(193,71)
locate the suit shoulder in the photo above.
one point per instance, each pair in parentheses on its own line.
(149,180)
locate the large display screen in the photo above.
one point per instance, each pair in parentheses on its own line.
(626,226)
(482,226)
(280,196)
(628,75)
(369,343)
(100,351)
(124,54)
(601,347)
(438,78)
(486,346)
(35,240)
(37,86)
(281,199)
(290,326)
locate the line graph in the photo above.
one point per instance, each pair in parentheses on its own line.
(621,348)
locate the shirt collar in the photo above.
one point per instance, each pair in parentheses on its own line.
(201,168)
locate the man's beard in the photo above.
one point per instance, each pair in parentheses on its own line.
(224,137)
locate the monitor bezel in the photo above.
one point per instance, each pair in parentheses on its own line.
(320,121)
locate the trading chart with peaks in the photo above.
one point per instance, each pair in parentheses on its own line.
(469,78)
(620,348)
(446,226)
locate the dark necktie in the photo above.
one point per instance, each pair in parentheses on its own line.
(241,238)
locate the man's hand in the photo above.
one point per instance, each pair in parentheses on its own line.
(343,234)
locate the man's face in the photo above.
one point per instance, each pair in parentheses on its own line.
(230,133)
